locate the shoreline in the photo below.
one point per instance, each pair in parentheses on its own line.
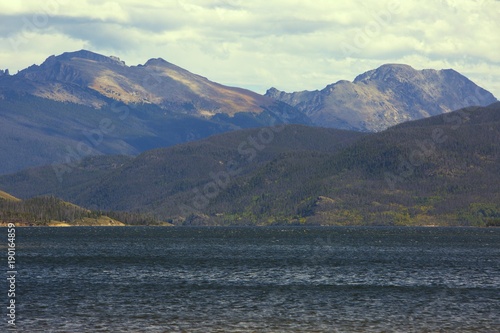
(67,225)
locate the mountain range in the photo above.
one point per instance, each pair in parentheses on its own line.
(442,170)
(156,144)
(79,104)
(82,103)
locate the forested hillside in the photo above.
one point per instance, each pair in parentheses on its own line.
(51,211)
(443,170)
(36,131)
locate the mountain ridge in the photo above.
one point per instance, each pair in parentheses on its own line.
(56,110)
(386,96)
(82,103)
(157,81)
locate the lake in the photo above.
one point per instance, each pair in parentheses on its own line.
(243,279)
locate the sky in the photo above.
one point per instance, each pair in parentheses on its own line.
(287,44)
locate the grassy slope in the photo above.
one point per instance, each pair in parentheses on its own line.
(8,197)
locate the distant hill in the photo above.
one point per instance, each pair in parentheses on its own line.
(142,181)
(36,131)
(443,170)
(49,211)
(386,96)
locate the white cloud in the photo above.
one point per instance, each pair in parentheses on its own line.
(293,45)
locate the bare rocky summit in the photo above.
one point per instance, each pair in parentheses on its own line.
(386,96)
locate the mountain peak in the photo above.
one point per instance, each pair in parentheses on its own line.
(386,96)
(272,91)
(157,62)
(89,55)
(82,54)
(92,79)
(386,71)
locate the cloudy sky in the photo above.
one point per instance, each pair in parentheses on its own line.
(289,44)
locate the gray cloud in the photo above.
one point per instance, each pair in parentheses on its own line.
(258,44)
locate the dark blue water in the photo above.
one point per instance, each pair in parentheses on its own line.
(143,279)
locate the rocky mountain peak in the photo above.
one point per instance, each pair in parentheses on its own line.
(272,91)
(91,79)
(386,96)
(157,62)
(387,72)
(69,67)
(88,55)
